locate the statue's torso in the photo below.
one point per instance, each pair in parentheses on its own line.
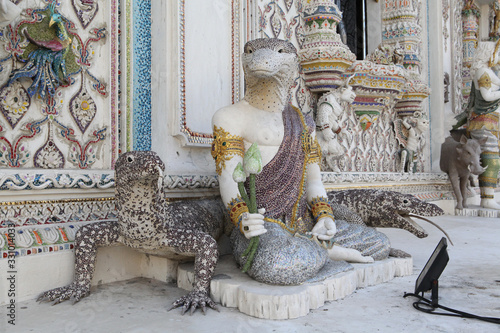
(257,126)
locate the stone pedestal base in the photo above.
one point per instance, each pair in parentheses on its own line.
(475,210)
(231,288)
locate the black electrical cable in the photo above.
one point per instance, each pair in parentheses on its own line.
(425,305)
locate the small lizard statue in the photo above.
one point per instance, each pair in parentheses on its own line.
(146,222)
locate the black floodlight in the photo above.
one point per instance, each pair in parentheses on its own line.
(428,278)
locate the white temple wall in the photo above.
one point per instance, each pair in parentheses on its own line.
(195,71)
(373,24)
(447,47)
(435,72)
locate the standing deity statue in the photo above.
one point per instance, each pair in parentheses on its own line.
(328,128)
(410,133)
(295,223)
(482,117)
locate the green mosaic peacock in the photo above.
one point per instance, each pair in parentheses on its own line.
(48,57)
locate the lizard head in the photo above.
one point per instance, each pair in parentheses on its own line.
(269,57)
(397,210)
(388,209)
(136,166)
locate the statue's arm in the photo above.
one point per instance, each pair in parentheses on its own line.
(314,186)
(489,95)
(228,187)
(323,123)
(495,80)
(406,124)
(488,84)
(249,224)
(227,151)
(316,196)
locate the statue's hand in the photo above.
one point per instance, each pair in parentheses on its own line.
(253,224)
(335,126)
(324,229)
(328,134)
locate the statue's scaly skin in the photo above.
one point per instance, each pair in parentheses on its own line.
(389,209)
(146,222)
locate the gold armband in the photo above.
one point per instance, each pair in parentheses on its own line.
(237,207)
(484,81)
(320,207)
(224,147)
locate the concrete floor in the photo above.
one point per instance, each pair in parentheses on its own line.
(470,282)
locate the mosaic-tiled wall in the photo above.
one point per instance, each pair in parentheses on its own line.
(60,125)
(58,95)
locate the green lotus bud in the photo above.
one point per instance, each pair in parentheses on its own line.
(252,162)
(239,175)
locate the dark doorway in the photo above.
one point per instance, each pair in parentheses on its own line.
(353,15)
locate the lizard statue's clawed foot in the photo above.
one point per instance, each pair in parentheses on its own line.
(194,300)
(61,294)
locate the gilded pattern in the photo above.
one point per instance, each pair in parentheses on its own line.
(236,208)
(306,143)
(320,207)
(487,121)
(484,81)
(311,148)
(488,178)
(224,147)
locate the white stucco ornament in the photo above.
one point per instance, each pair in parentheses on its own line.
(328,126)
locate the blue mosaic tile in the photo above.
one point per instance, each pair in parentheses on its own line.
(142,75)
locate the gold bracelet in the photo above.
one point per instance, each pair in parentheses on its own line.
(320,207)
(237,207)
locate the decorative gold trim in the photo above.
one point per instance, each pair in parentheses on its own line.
(304,169)
(311,148)
(237,207)
(320,207)
(224,147)
(484,81)
(280,223)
